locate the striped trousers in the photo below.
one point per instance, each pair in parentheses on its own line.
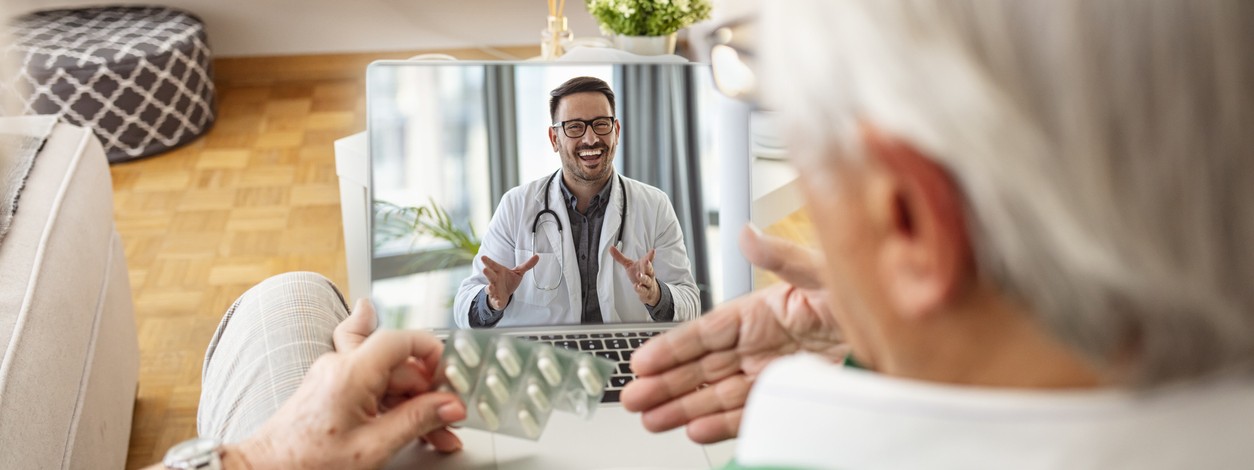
(262,349)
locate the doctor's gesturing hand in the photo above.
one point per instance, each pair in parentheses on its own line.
(641,274)
(503,281)
(698,375)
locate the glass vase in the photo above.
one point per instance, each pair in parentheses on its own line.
(555,38)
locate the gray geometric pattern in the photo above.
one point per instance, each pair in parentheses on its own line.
(140,77)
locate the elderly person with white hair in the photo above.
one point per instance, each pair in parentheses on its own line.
(1034,219)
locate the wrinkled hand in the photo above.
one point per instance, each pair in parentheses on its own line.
(503,281)
(641,274)
(410,379)
(357,406)
(698,375)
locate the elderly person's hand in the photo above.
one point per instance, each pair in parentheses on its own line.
(359,405)
(699,374)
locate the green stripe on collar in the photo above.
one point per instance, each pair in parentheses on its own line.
(733,465)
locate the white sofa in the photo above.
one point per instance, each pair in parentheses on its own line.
(67,328)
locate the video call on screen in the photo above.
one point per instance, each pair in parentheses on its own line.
(456,137)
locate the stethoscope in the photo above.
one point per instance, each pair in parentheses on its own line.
(561,259)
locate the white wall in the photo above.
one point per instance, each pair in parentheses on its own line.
(285,27)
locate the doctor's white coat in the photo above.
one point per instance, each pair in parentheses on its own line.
(651,224)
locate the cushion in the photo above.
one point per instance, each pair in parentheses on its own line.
(140,77)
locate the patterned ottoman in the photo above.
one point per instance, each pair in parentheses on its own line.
(140,77)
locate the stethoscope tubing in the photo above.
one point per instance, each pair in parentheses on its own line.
(535,223)
(622,216)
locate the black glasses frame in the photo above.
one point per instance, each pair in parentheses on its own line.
(587,124)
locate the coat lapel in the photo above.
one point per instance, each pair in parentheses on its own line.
(609,269)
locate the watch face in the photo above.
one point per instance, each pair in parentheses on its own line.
(193,453)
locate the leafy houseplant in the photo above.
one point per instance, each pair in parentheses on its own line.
(393,222)
(647,17)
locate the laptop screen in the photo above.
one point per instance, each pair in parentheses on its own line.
(467,164)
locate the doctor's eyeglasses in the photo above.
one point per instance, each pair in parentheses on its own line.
(576,128)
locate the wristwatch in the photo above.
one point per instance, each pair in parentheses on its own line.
(202,453)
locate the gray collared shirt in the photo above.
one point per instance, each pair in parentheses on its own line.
(585,229)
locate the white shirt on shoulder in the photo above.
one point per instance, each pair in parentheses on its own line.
(807,412)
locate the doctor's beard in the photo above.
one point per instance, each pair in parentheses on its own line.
(577,167)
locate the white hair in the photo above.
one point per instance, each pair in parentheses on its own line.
(1105,150)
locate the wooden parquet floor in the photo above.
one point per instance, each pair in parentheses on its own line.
(255,196)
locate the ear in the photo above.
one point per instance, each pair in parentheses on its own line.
(553,138)
(926,257)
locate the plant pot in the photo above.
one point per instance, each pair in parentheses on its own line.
(646,45)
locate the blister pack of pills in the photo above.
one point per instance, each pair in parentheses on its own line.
(511,385)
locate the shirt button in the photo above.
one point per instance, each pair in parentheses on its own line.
(583,257)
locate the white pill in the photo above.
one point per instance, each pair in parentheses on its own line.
(548,368)
(496,386)
(508,360)
(457,378)
(591,380)
(529,423)
(489,416)
(468,351)
(537,397)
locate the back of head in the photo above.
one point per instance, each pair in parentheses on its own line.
(1104,149)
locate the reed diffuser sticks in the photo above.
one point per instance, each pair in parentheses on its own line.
(557,32)
(557,9)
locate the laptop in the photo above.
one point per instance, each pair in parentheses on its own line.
(446,141)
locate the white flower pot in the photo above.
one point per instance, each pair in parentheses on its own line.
(646,45)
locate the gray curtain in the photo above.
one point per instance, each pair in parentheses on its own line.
(658,110)
(499,101)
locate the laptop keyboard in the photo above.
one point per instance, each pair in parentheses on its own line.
(616,347)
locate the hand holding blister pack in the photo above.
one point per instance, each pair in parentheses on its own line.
(511,386)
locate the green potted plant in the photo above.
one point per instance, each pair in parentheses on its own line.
(394,222)
(647,27)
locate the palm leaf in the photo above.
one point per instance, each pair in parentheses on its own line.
(394,222)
